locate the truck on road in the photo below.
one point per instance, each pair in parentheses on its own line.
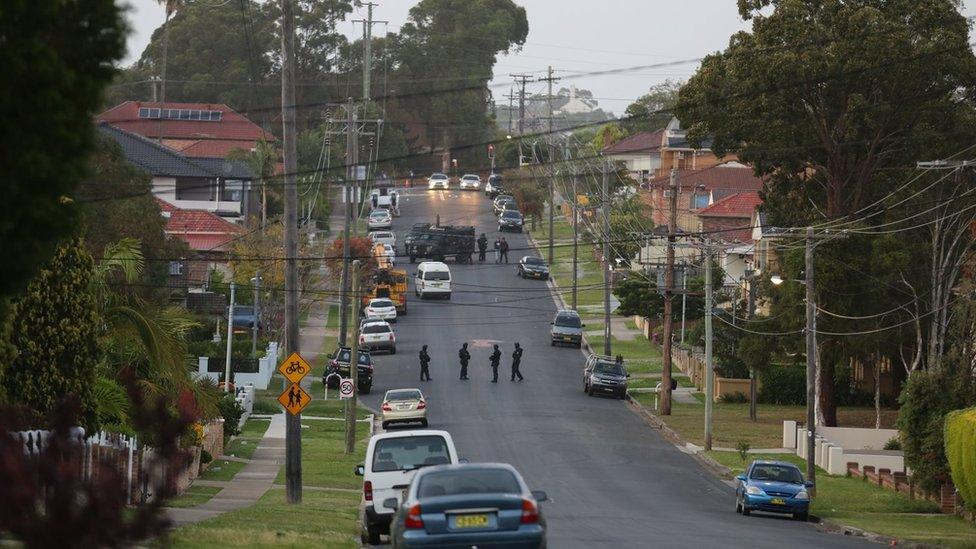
(438,243)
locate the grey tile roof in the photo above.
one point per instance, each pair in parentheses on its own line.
(157,159)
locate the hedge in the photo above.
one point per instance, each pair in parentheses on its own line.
(783,384)
(960,446)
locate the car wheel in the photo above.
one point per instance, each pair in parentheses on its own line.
(366,390)
(745,509)
(590,391)
(423,423)
(374,537)
(448,297)
(386,424)
(802,517)
(553,343)
(738,507)
(393,350)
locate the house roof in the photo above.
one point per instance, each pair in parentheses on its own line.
(200,229)
(720,177)
(231,125)
(157,159)
(637,143)
(215,148)
(738,205)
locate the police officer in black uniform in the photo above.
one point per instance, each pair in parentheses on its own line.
(495,358)
(482,247)
(516,361)
(465,356)
(424,364)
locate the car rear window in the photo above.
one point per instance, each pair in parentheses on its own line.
(376,329)
(437,275)
(568,321)
(404,394)
(344,356)
(408,453)
(381,303)
(512,214)
(609,368)
(776,473)
(468,481)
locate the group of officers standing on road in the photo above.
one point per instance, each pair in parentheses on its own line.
(465,356)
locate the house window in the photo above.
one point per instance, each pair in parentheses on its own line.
(194,188)
(699,201)
(232,190)
(175,268)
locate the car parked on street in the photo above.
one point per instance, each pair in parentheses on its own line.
(244,318)
(567,327)
(510,220)
(498,205)
(773,487)
(377,335)
(493,187)
(603,374)
(468,505)
(384,237)
(339,367)
(381,308)
(392,460)
(404,406)
(438,181)
(532,267)
(470,181)
(379,219)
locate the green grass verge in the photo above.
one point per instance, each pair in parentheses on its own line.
(194,495)
(328,438)
(222,469)
(561,229)
(858,503)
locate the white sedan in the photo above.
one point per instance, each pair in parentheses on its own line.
(384,237)
(438,181)
(470,181)
(377,334)
(379,219)
(381,308)
(390,253)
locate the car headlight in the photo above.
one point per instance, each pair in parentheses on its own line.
(754,490)
(802,494)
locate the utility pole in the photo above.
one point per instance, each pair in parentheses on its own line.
(575,240)
(709,367)
(521,80)
(511,107)
(367,48)
(293,424)
(349,195)
(550,79)
(257,313)
(668,291)
(606,261)
(353,364)
(684,299)
(811,361)
(750,310)
(230,339)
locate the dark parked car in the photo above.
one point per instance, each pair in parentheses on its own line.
(498,205)
(773,487)
(468,505)
(494,187)
(510,220)
(532,267)
(567,327)
(244,317)
(603,374)
(339,364)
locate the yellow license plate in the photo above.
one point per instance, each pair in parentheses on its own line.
(471,521)
(777,501)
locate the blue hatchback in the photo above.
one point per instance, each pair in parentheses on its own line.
(773,487)
(468,505)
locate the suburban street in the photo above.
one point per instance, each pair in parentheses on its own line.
(612,480)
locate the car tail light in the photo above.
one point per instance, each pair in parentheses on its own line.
(421,405)
(362,339)
(368,492)
(530,513)
(387,407)
(391,337)
(413,519)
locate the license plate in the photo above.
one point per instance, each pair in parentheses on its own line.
(777,501)
(471,521)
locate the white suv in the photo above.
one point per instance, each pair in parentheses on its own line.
(438,181)
(392,459)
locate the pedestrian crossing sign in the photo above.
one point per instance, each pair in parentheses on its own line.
(294,399)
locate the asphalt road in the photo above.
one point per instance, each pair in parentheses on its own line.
(612,481)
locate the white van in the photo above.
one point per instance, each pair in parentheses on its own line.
(432,278)
(392,459)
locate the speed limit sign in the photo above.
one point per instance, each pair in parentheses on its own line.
(345,388)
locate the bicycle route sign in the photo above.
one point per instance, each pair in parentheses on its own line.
(294,368)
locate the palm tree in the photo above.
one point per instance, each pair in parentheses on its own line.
(262,160)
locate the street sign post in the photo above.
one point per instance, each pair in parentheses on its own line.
(345,388)
(294,399)
(294,368)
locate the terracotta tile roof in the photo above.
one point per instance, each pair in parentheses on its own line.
(200,229)
(639,142)
(716,177)
(212,148)
(232,126)
(738,205)
(207,242)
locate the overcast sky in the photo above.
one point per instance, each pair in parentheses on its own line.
(574,36)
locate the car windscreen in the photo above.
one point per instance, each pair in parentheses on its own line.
(535,261)
(438,176)
(609,368)
(381,235)
(776,473)
(470,178)
(437,275)
(468,481)
(504,198)
(344,357)
(511,214)
(376,329)
(378,303)
(408,453)
(568,321)
(404,394)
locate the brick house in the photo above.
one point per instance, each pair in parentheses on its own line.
(208,236)
(697,190)
(639,153)
(677,152)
